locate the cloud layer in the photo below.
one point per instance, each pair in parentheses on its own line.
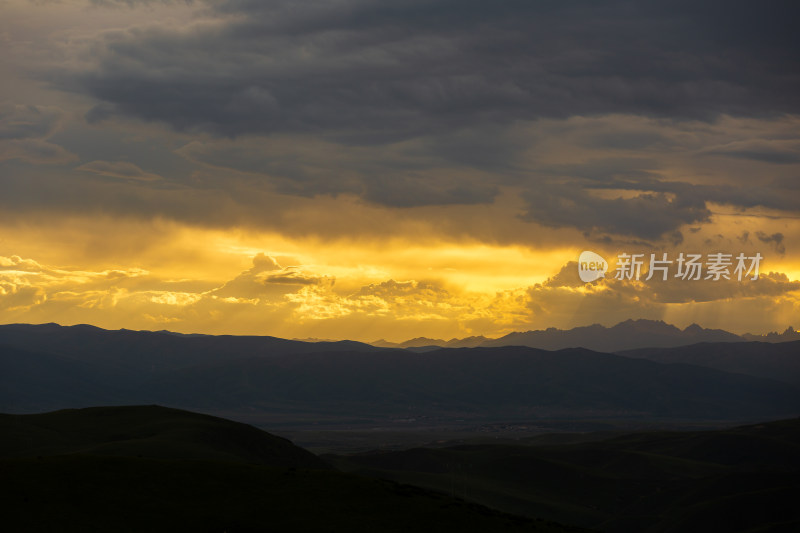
(310,168)
(295,299)
(367,72)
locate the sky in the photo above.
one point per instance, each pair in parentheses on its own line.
(395,169)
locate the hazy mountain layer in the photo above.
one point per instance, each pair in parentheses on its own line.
(88,366)
(779,361)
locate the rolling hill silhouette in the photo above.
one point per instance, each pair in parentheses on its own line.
(147,431)
(148,468)
(739,479)
(147,352)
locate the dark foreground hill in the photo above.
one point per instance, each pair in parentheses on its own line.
(150,432)
(734,480)
(154,469)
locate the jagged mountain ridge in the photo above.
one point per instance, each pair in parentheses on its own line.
(627,335)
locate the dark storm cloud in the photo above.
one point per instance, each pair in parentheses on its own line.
(443,102)
(778,152)
(654,209)
(374,72)
(776,239)
(134,3)
(606,170)
(647,215)
(411,192)
(35,151)
(23,133)
(118,169)
(390,175)
(692,195)
(628,140)
(27,121)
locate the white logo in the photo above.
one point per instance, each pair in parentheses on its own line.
(591,266)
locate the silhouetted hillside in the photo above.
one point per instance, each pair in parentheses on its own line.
(740,479)
(147,352)
(35,381)
(511,381)
(133,469)
(147,431)
(779,361)
(46,367)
